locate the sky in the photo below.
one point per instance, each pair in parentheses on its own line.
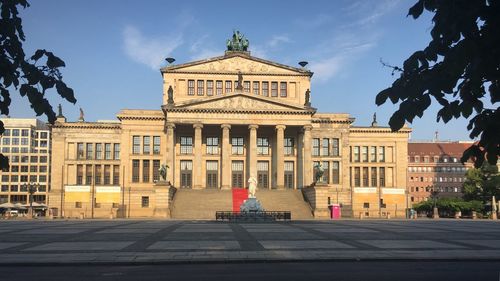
(113,50)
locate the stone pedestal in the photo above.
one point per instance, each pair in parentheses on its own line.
(435,213)
(251,205)
(162,199)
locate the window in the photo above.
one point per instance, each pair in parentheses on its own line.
(201,87)
(146,142)
(382,177)
(156,170)
(274,89)
(335,147)
(98,151)
(5,149)
(117,151)
(43,159)
(6,133)
(190,87)
(34,159)
(107,174)
(237,145)
(97,174)
(25,141)
(210,88)
(90,151)
(263,146)
(283,93)
(43,169)
(315,148)
(116,175)
(212,145)
(79,150)
(335,172)
(256,88)
(246,86)
(374,176)
(43,135)
(156,145)
(33,169)
(357,180)
(14,188)
(237,174)
(326,174)
(356,153)
(381,154)
(88,174)
(365,176)
(364,153)
(15,141)
(6,141)
(135,170)
(186,173)
(229,86)
(79,174)
(417,159)
(289,174)
(288,146)
(15,132)
(136,144)
(145,171)
(218,87)
(186,145)
(212,173)
(14,178)
(78,205)
(25,132)
(265,89)
(145,201)
(373,154)
(107,151)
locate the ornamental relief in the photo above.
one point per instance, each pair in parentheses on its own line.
(239,103)
(236,64)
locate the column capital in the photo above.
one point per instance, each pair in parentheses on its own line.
(198,126)
(280,127)
(170,125)
(253,127)
(225,126)
(307,127)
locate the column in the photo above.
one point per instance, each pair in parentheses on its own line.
(300,159)
(225,159)
(170,155)
(197,165)
(280,157)
(308,176)
(252,151)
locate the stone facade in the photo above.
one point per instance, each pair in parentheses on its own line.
(223,120)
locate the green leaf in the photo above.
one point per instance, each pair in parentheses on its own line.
(382,96)
(396,121)
(417,9)
(65,92)
(53,61)
(38,54)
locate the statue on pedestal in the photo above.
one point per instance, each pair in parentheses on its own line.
(163,172)
(252,187)
(318,172)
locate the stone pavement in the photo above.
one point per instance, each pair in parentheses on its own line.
(170,241)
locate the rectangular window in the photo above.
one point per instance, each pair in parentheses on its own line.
(315,147)
(15,132)
(107,151)
(218,87)
(186,145)
(335,147)
(34,159)
(326,147)
(145,171)
(256,88)
(283,93)
(237,145)
(15,141)
(229,87)
(335,172)
(381,154)
(262,146)
(156,170)
(98,151)
(374,176)
(79,151)
(79,174)
(326,173)
(212,174)
(190,87)
(25,132)
(237,174)
(136,144)
(90,152)
(289,174)
(24,141)
(210,88)
(88,174)
(246,86)
(288,146)
(356,153)
(373,154)
(116,153)
(145,201)
(365,176)
(382,177)
(107,174)
(265,89)
(156,145)
(274,89)
(97,174)
(201,87)
(357,179)
(212,145)
(364,153)
(135,170)
(6,141)
(186,173)
(146,144)
(236,84)
(263,174)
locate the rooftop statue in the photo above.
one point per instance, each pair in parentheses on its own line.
(238,42)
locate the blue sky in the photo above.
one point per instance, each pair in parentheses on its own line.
(114,49)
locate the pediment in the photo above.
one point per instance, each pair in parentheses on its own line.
(241,102)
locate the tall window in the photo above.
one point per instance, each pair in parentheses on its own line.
(382,176)
(79,174)
(145,170)
(186,145)
(135,170)
(288,146)
(218,87)
(117,151)
(326,147)
(88,174)
(201,87)
(246,86)
(145,201)
(289,174)
(283,89)
(381,154)
(116,174)
(256,88)
(146,142)
(237,145)
(156,145)
(90,151)
(212,145)
(335,147)
(335,172)
(191,87)
(210,88)
(186,173)
(373,154)
(356,153)
(263,174)
(229,86)
(263,146)
(79,151)
(265,89)
(274,89)
(212,174)
(107,174)
(315,143)
(364,153)
(98,151)
(97,174)
(357,179)
(107,151)
(374,176)
(156,172)
(326,174)
(365,176)
(136,144)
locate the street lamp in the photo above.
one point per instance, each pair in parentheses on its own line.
(31,188)
(435,213)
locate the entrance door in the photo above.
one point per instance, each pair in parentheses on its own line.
(237,174)
(263,174)
(212,174)
(186,173)
(289,175)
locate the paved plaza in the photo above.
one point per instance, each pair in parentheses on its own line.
(169,241)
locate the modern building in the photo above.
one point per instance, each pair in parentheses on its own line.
(27,144)
(436,166)
(221,121)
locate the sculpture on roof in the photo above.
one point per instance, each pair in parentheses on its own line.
(308,98)
(374,122)
(59,111)
(239,87)
(81,118)
(170,93)
(238,42)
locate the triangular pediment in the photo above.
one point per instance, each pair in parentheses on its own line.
(241,102)
(237,63)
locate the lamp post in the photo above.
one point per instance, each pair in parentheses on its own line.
(31,189)
(435,212)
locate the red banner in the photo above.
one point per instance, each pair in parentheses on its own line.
(239,195)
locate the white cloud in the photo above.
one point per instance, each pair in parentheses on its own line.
(206,53)
(277,39)
(148,51)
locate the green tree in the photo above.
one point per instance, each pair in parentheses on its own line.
(482,183)
(460,69)
(32,76)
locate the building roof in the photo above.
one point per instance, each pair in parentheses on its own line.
(438,148)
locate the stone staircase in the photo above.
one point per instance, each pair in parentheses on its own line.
(285,200)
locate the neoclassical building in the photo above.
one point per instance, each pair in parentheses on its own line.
(221,121)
